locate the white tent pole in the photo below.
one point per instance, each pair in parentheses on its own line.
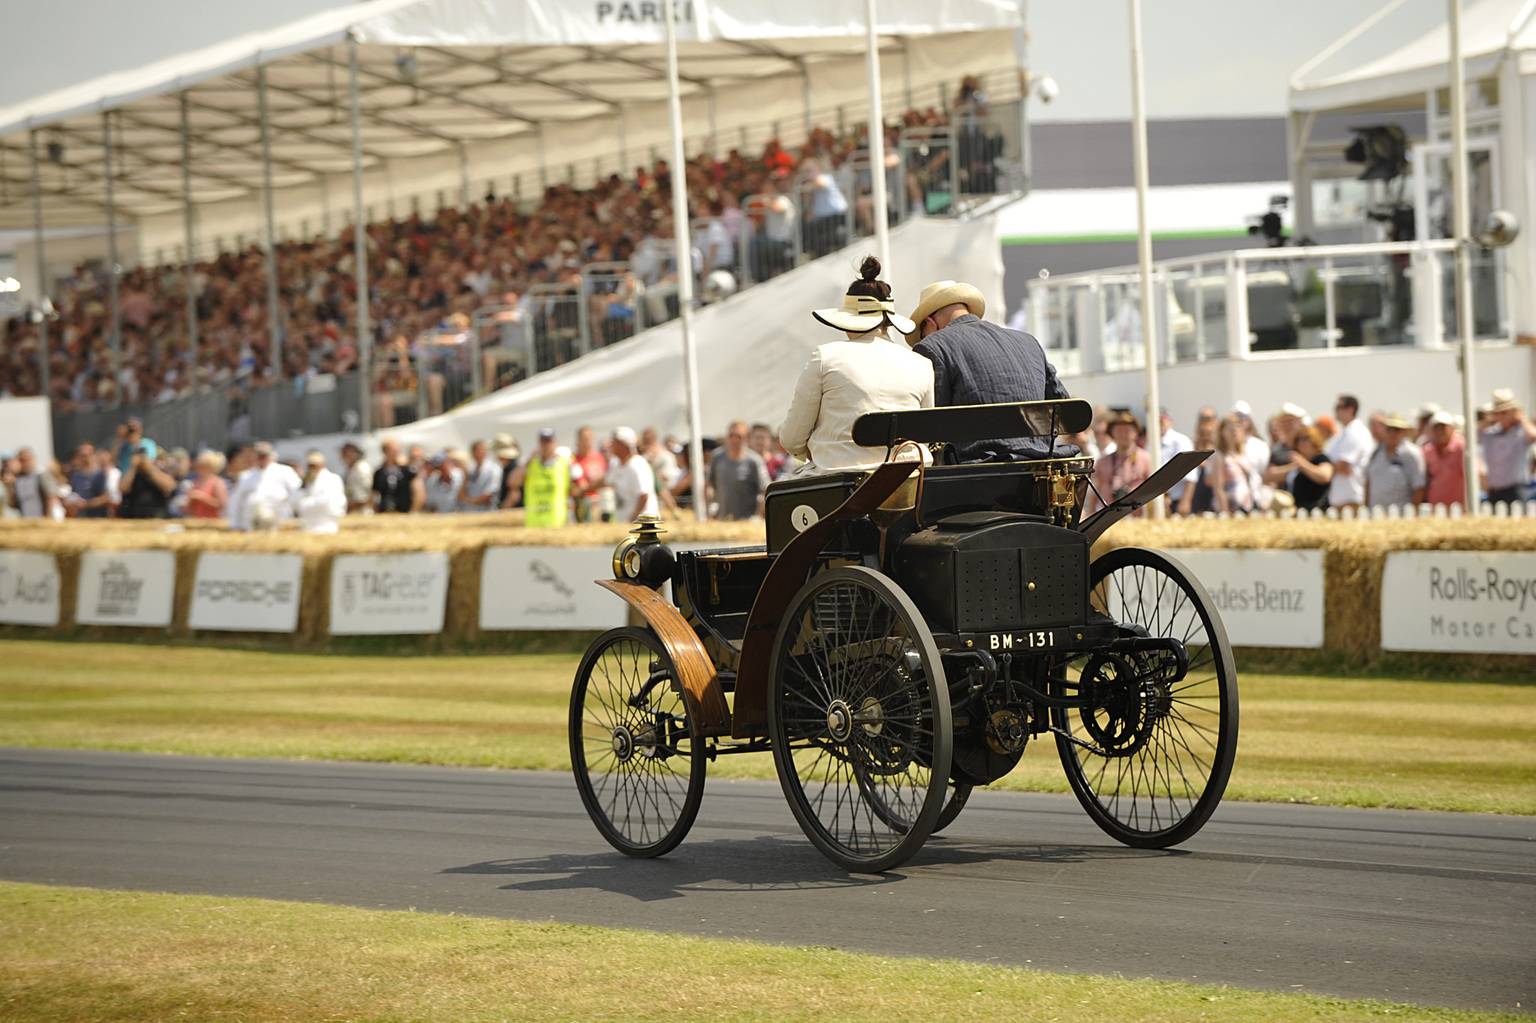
(274,330)
(44,383)
(1144,249)
(187,218)
(880,214)
(112,267)
(360,241)
(684,269)
(1461,214)
(1021,54)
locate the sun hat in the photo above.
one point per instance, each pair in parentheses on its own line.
(1395,421)
(942,293)
(1123,417)
(506,446)
(1442,418)
(1291,410)
(1427,410)
(314,458)
(1504,400)
(626,436)
(860,314)
(1242,408)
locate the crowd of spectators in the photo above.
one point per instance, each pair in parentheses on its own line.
(429,273)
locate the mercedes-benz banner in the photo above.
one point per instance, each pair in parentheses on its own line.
(1264,597)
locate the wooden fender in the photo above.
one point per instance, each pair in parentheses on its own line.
(695,669)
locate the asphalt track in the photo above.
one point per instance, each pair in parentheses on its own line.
(1437,909)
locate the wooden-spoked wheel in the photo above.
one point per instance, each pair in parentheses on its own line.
(1150,755)
(858,717)
(638,765)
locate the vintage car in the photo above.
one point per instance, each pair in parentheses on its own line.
(900,638)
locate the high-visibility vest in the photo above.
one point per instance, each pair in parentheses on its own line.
(546,490)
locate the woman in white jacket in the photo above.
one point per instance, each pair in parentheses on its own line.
(869,372)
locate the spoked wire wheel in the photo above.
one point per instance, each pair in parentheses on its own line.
(858,716)
(1150,757)
(638,765)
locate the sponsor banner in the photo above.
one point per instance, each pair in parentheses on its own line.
(381,594)
(29,588)
(247,592)
(548,588)
(1474,602)
(1265,598)
(126,588)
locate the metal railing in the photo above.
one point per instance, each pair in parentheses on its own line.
(1243,303)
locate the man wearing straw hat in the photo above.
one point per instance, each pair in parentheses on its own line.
(978,363)
(1395,474)
(1505,447)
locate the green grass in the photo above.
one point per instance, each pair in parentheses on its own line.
(1420,743)
(69,954)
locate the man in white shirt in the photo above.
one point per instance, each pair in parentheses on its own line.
(264,494)
(1173,443)
(358,481)
(321,498)
(481,489)
(444,480)
(630,476)
(1350,451)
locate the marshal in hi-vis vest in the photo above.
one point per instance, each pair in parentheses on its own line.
(546,490)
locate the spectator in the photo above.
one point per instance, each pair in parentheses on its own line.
(1257,451)
(1233,477)
(634,486)
(767,447)
(146,488)
(507,453)
(737,477)
(482,480)
(358,480)
(34,491)
(1123,469)
(663,465)
(1200,497)
(1505,447)
(1350,451)
(444,480)
(130,435)
(588,467)
(1444,461)
(88,498)
(826,210)
(178,466)
(1311,469)
(208,495)
(1395,474)
(114,479)
(321,499)
(396,485)
(546,483)
(1172,443)
(264,495)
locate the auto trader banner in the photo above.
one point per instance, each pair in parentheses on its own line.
(126,588)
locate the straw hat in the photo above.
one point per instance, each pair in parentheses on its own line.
(1504,400)
(505,446)
(942,293)
(1123,417)
(1395,421)
(860,314)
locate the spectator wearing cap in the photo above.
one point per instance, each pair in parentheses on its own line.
(633,483)
(1444,461)
(546,483)
(444,480)
(321,499)
(1123,469)
(1505,445)
(1349,450)
(1394,477)
(358,481)
(481,489)
(264,495)
(1174,443)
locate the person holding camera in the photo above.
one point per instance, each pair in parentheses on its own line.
(130,435)
(146,488)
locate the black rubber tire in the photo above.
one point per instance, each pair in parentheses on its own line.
(643,796)
(859,719)
(1164,790)
(959,795)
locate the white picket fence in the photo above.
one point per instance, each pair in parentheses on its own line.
(1513,510)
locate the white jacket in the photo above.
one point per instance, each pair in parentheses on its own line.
(321,503)
(842,381)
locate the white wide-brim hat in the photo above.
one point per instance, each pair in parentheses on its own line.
(861,314)
(944,293)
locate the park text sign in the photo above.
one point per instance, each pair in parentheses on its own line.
(1264,597)
(380,594)
(547,588)
(29,588)
(247,592)
(126,588)
(1471,602)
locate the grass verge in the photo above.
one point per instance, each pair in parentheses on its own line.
(1407,743)
(70,954)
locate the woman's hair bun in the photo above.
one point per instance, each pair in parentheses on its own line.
(870,268)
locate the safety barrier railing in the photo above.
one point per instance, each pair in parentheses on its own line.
(1243,303)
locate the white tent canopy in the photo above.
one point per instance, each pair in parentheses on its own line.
(1490,31)
(456,94)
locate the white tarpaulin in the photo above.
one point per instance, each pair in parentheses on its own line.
(459,94)
(751,349)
